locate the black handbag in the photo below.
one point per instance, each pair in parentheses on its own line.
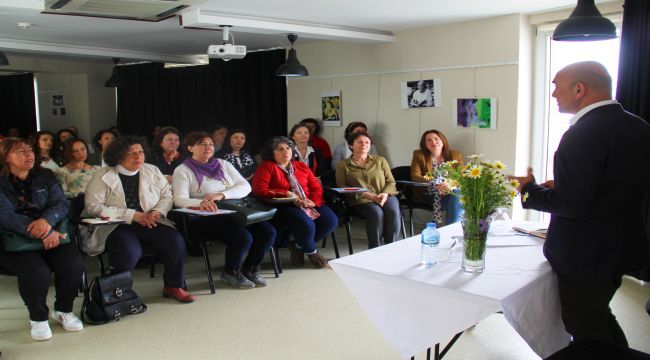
(110,297)
(247,210)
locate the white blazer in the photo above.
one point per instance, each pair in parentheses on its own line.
(105,197)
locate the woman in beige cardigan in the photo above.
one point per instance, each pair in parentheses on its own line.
(140,195)
(378,205)
(434,149)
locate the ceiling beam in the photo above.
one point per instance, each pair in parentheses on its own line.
(198,18)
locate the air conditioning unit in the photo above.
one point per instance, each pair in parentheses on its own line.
(121,9)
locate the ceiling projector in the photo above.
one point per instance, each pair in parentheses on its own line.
(227,51)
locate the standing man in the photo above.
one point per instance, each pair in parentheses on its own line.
(218,137)
(597,201)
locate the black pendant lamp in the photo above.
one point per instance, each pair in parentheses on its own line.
(115,80)
(292,67)
(3,59)
(585,24)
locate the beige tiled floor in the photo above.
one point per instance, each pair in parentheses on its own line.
(304,314)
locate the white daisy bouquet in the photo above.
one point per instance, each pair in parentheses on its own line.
(482,185)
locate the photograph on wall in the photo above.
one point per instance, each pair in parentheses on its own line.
(475,113)
(331,105)
(420,93)
(57,104)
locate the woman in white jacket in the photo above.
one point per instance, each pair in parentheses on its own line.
(138,193)
(200,181)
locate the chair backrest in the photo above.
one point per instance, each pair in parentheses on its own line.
(76,206)
(401,173)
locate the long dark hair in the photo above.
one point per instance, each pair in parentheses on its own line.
(227,149)
(67,149)
(98,137)
(157,141)
(33,141)
(446,151)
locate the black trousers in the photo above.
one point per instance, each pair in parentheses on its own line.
(585,309)
(34,270)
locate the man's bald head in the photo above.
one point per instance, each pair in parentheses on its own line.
(581,84)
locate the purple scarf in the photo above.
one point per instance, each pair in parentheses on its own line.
(211,169)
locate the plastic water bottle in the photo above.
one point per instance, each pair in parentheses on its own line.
(429,245)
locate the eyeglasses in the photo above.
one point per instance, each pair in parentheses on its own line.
(135,154)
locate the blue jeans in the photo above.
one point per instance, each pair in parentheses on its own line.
(305,230)
(451,204)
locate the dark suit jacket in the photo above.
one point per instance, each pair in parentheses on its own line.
(602,176)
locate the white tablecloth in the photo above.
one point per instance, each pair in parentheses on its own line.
(415,306)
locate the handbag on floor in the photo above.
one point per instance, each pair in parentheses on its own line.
(248,210)
(110,297)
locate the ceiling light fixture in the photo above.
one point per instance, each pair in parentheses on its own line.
(585,24)
(3,59)
(115,80)
(292,67)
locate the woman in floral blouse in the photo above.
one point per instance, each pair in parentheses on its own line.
(76,173)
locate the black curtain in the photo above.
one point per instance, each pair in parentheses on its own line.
(242,94)
(633,90)
(17,103)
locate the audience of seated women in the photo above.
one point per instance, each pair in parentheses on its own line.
(45,149)
(139,194)
(33,210)
(165,151)
(101,141)
(199,182)
(434,149)
(378,205)
(307,217)
(235,151)
(75,174)
(304,152)
(343,151)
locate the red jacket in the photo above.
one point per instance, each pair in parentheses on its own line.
(271,181)
(319,143)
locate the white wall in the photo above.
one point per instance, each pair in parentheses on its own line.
(89,105)
(477,58)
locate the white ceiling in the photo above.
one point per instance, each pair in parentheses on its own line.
(168,40)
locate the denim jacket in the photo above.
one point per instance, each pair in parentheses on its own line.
(47,196)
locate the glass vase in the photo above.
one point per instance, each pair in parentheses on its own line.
(475,231)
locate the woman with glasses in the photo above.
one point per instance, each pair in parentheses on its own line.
(203,180)
(137,193)
(306,216)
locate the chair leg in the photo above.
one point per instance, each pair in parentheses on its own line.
(102,268)
(152,269)
(411,219)
(324,242)
(336,246)
(278,261)
(274,261)
(208,268)
(401,216)
(348,232)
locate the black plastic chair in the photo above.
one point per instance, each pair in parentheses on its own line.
(405,186)
(203,243)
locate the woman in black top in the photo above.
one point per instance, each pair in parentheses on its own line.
(165,153)
(236,152)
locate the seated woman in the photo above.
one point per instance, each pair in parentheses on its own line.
(378,205)
(101,141)
(317,141)
(165,153)
(32,205)
(75,174)
(45,149)
(343,151)
(308,219)
(304,152)
(235,152)
(199,182)
(138,193)
(434,149)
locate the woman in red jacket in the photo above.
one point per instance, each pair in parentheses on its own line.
(307,217)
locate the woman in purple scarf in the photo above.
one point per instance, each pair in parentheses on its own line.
(200,181)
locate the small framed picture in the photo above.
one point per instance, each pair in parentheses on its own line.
(475,113)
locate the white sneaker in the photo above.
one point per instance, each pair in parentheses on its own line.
(69,321)
(40,330)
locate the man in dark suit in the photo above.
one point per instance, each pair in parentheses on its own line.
(597,201)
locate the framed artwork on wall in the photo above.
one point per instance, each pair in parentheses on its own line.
(478,113)
(420,93)
(331,108)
